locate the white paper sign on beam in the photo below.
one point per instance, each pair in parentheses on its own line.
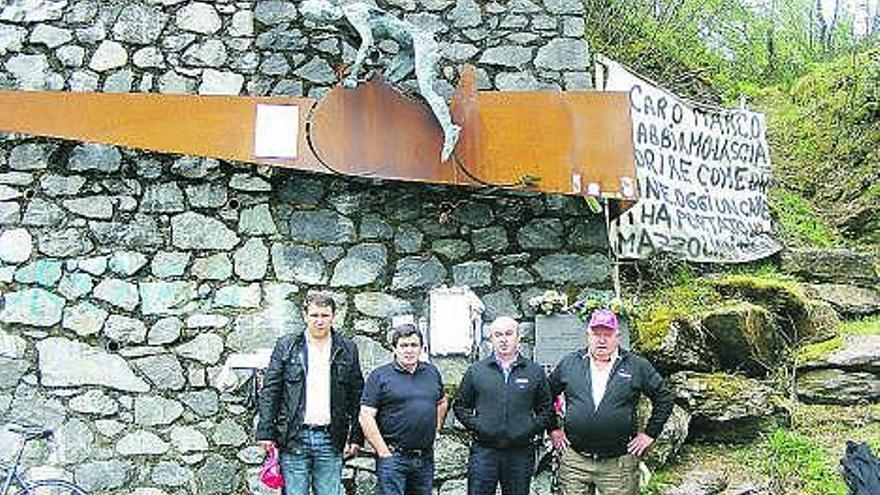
(276,131)
(703,174)
(455,321)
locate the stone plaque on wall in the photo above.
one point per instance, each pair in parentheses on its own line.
(556,336)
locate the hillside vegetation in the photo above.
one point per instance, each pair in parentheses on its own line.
(820,90)
(817,84)
(825,138)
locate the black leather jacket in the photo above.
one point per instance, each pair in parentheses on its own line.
(282,398)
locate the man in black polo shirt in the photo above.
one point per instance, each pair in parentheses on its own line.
(504,401)
(600,444)
(402,409)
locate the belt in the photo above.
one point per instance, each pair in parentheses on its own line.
(324,428)
(395,449)
(598,456)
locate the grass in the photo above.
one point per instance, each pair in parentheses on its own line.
(798,461)
(795,462)
(823,132)
(798,223)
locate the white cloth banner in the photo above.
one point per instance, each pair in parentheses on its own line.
(703,177)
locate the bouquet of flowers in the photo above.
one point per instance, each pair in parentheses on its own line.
(549,303)
(585,307)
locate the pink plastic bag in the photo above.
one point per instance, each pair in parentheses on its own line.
(270,473)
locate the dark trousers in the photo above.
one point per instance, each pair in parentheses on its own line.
(511,467)
(405,474)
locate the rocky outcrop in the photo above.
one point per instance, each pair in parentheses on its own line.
(838,386)
(744,337)
(672,438)
(836,266)
(847,300)
(676,345)
(727,408)
(797,316)
(845,370)
(699,483)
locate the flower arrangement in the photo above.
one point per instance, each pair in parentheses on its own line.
(549,303)
(553,302)
(585,307)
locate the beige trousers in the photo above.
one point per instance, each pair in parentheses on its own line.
(580,475)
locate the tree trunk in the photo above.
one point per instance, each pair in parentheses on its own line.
(832,26)
(821,25)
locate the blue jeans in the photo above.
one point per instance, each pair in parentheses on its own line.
(405,474)
(512,467)
(312,463)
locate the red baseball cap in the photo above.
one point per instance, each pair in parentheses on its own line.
(604,318)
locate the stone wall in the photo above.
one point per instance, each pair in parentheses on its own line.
(127,278)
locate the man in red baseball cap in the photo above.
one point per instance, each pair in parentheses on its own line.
(598,439)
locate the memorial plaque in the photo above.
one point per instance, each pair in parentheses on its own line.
(556,336)
(455,321)
(257,360)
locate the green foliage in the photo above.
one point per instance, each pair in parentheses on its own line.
(866,326)
(797,222)
(715,49)
(824,132)
(656,485)
(818,351)
(797,465)
(874,443)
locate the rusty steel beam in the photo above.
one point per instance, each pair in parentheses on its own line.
(557,139)
(211,126)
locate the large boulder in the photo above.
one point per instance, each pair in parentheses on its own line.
(699,483)
(820,324)
(856,352)
(798,318)
(727,408)
(675,344)
(844,370)
(745,337)
(671,439)
(837,386)
(848,300)
(840,266)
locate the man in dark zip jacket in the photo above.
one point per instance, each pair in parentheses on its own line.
(504,401)
(310,400)
(600,443)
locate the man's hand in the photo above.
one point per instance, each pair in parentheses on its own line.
(638,445)
(559,440)
(350,450)
(266,445)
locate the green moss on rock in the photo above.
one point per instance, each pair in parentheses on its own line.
(683,303)
(821,351)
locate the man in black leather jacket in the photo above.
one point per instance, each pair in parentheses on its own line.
(310,400)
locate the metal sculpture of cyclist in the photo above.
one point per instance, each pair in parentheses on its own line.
(417,51)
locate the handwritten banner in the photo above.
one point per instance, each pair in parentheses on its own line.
(703,176)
